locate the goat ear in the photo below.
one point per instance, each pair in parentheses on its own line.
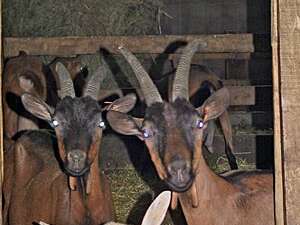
(37,107)
(124,104)
(124,124)
(26,83)
(158,209)
(209,134)
(215,105)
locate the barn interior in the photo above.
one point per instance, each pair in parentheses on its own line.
(246,71)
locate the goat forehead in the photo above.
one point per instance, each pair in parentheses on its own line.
(177,113)
(172,120)
(79,110)
(77,138)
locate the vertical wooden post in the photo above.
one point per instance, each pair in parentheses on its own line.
(278,197)
(286,69)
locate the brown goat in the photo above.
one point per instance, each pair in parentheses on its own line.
(203,78)
(173,134)
(55,178)
(21,74)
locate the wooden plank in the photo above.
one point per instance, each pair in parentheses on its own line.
(242,95)
(233,82)
(246,119)
(64,46)
(200,56)
(278,169)
(286,82)
(239,95)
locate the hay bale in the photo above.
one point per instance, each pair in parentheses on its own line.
(80,17)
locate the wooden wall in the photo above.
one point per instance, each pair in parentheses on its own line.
(286,80)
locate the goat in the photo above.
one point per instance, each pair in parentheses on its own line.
(21,74)
(204,76)
(200,77)
(173,134)
(56,178)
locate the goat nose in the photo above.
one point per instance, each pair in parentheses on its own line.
(179,169)
(76,155)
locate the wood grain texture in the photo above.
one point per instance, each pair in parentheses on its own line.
(239,95)
(288,28)
(242,95)
(65,46)
(279,201)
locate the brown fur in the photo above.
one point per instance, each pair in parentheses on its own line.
(234,198)
(242,198)
(36,189)
(198,76)
(56,178)
(73,65)
(21,74)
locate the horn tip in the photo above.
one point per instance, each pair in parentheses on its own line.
(59,66)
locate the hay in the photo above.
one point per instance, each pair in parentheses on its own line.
(80,17)
(132,194)
(45,18)
(128,188)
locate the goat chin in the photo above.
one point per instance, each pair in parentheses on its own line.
(192,192)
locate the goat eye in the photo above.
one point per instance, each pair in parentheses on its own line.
(83,69)
(54,123)
(199,124)
(101,124)
(147,133)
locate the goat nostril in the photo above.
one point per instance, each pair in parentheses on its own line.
(180,175)
(76,155)
(171,170)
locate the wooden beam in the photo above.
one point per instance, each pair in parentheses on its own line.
(242,95)
(286,59)
(278,184)
(212,56)
(239,95)
(65,46)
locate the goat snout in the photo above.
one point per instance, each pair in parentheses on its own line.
(76,162)
(180,175)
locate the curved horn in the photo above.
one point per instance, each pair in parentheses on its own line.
(92,86)
(181,80)
(149,90)
(65,81)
